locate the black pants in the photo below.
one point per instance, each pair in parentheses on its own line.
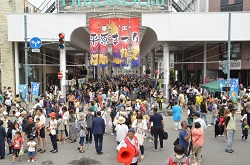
(158,132)
(133,163)
(8,109)
(160,105)
(89,135)
(53,140)
(66,131)
(98,142)
(142,149)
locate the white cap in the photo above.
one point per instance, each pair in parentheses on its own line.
(17,114)
(5,113)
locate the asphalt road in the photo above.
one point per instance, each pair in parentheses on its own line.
(213,150)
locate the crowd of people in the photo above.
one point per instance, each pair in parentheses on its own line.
(130,107)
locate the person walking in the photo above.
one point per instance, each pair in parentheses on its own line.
(230,128)
(121,129)
(203,108)
(198,141)
(176,115)
(158,127)
(98,128)
(89,118)
(52,128)
(2,140)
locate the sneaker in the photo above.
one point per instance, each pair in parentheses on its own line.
(232,150)
(161,149)
(142,156)
(39,149)
(17,162)
(222,135)
(219,135)
(156,150)
(28,161)
(246,140)
(229,151)
(13,163)
(112,134)
(150,141)
(209,125)
(32,160)
(153,149)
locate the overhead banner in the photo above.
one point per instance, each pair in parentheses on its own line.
(23,91)
(124,37)
(34,90)
(94,41)
(135,41)
(116,45)
(103,53)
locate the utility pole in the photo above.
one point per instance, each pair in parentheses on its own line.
(26,49)
(229,50)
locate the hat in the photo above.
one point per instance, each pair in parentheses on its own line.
(121,120)
(82,116)
(23,113)
(197,114)
(123,113)
(52,114)
(145,102)
(131,130)
(128,104)
(17,114)
(5,113)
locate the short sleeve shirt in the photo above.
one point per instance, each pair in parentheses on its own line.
(156,118)
(183,134)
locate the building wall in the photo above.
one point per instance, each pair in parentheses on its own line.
(246,5)
(214,5)
(245,57)
(6,47)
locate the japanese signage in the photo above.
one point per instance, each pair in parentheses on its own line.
(112,3)
(135,41)
(124,27)
(234,87)
(94,41)
(121,32)
(23,91)
(34,90)
(103,56)
(116,45)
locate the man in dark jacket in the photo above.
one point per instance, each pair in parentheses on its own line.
(2,140)
(98,128)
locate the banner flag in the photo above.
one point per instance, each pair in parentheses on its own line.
(124,37)
(23,91)
(135,41)
(94,41)
(103,53)
(234,88)
(116,45)
(34,91)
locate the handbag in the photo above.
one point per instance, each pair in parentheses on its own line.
(140,138)
(176,141)
(165,135)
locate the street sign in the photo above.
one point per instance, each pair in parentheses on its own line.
(35,43)
(35,50)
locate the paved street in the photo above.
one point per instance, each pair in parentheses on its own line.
(213,151)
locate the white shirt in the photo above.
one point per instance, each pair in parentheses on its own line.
(32,146)
(53,126)
(121,132)
(66,117)
(142,127)
(202,122)
(123,144)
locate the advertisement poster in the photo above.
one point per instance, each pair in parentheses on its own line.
(23,91)
(135,41)
(116,45)
(124,36)
(103,53)
(34,91)
(94,41)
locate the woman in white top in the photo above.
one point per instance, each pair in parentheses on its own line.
(52,128)
(121,130)
(65,117)
(140,131)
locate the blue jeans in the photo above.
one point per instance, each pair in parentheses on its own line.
(213,117)
(204,115)
(81,142)
(230,138)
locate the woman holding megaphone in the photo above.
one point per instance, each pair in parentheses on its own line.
(128,149)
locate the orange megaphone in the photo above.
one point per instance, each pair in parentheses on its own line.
(125,156)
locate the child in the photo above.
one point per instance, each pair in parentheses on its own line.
(60,124)
(17,144)
(81,128)
(217,128)
(178,157)
(38,126)
(221,122)
(31,149)
(245,128)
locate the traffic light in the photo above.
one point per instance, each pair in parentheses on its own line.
(61,40)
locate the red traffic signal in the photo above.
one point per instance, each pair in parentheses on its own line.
(61,40)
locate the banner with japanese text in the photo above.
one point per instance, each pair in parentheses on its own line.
(34,91)
(116,45)
(135,41)
(103,52)
(94,41)
(124,37)
(23,91)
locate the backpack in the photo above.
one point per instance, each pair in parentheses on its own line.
(210,107)
(173,163)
